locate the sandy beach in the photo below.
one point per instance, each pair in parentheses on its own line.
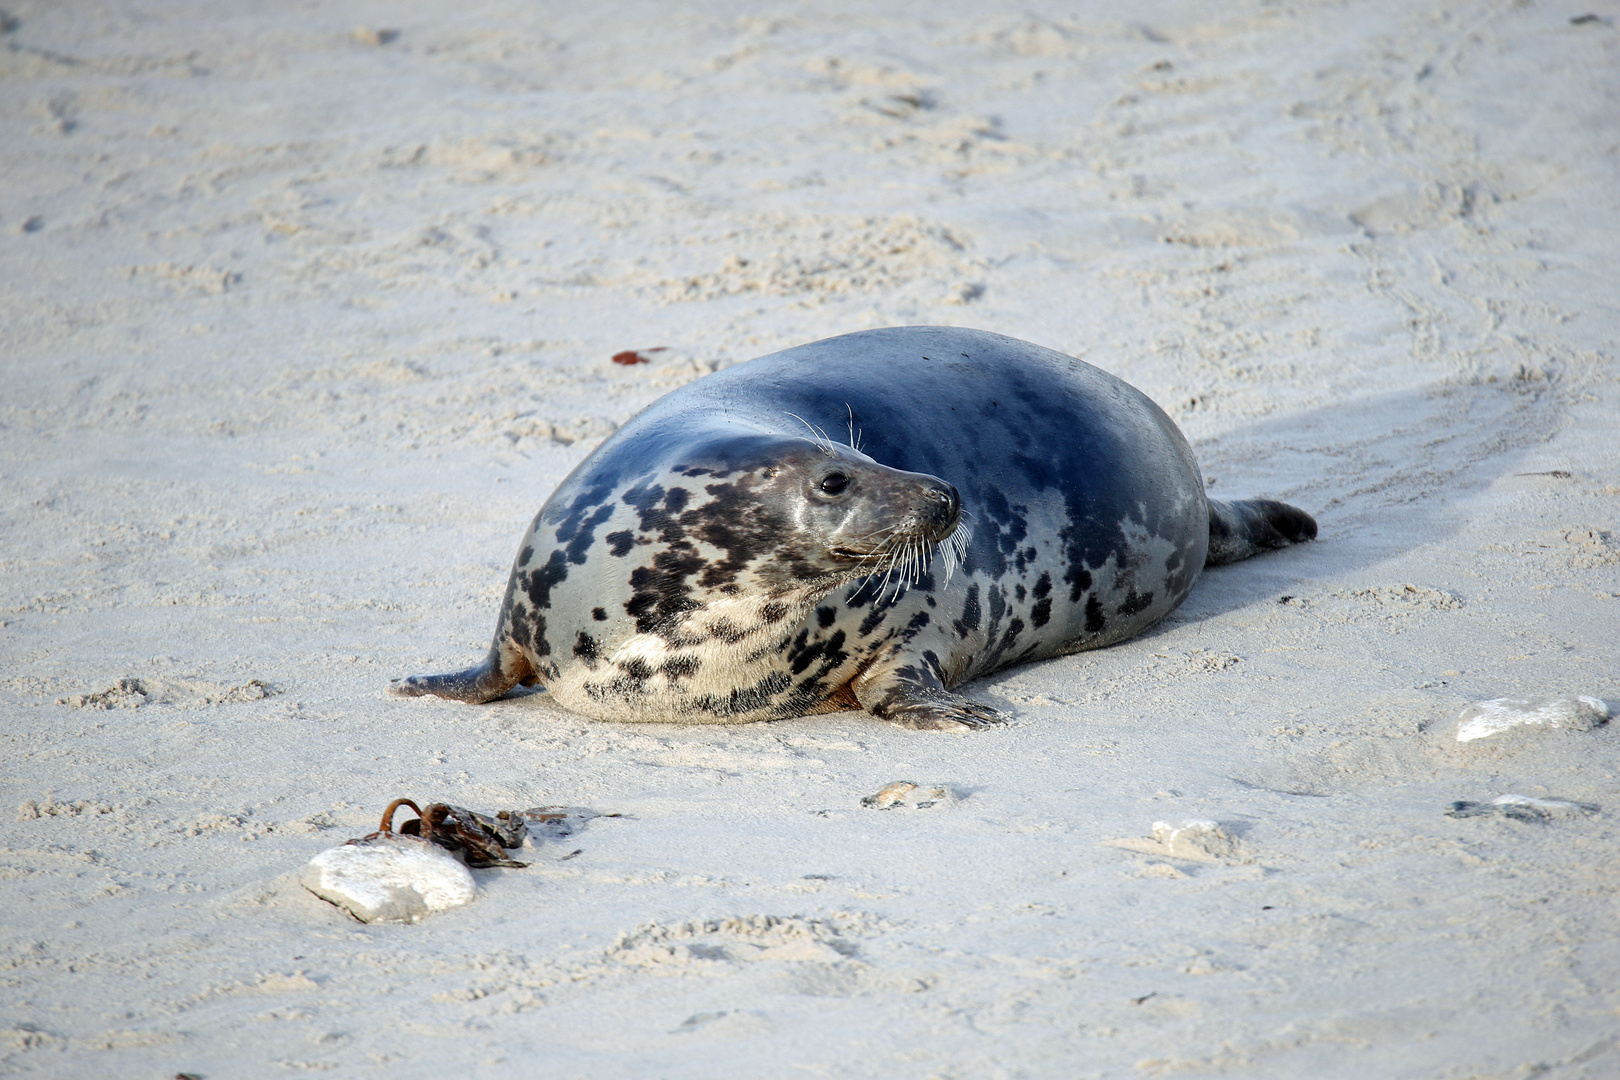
(306,308)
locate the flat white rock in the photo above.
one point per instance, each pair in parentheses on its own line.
(389,878)
(1483,719)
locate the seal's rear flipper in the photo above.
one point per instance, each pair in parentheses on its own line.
(1250,526)
(476,685)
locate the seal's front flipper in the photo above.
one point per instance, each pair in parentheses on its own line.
(501,670)
(915,699)
(943,711)
(1250,526)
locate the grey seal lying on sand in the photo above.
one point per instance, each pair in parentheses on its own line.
(724,557)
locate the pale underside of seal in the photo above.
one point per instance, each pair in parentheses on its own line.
(713,561)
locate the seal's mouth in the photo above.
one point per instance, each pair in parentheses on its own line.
(903,558)
(858,556)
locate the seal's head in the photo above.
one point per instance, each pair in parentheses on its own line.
(792,512)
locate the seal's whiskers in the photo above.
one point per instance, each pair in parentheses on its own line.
(821,439)
(905,563)
(953,549)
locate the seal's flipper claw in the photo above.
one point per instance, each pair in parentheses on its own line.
(410,686)
(964,715)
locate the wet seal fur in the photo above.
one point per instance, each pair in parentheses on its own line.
(713,561)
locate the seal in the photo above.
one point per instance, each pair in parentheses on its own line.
(862,522)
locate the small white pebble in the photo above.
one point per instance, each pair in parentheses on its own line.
(369,35)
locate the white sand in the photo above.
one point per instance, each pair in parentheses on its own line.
(298,331)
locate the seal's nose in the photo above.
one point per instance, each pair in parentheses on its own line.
(947,505)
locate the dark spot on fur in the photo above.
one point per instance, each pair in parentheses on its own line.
(1043,586)
(1041,613)
(579,545)
(1026,556)
(728,631)
(1134,603)
(1079,579)
(585,649)
(1014,628)
(652,505)
(826,615)
(681,667)
(620,543)
(599,614)
(998,607)
(802,656)
(517,621)
(971,613)
(660,590)
(1096,622)
(536,585)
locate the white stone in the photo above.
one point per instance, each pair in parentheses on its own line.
(1546,808)
(1483,719)
(389,878)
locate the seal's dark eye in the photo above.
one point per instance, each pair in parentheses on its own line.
(833,483)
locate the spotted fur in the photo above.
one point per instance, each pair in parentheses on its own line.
(694,568)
